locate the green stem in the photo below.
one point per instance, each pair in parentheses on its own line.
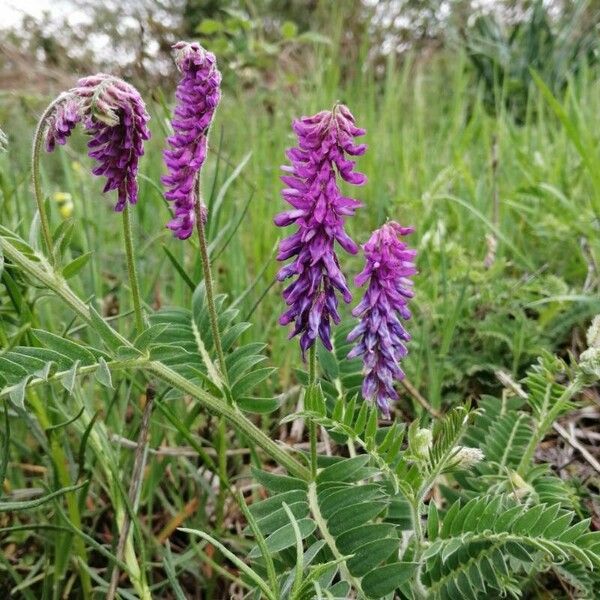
(59,459)
(546,423)
(131,270)
(35,174)
(113,365)
(235,417)
(222,470)
(41,271)
(214,325)
(415,513)
(260,540)
(99,442)
(208,285)
(312,426)
(313,503)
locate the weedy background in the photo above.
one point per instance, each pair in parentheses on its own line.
(487,144)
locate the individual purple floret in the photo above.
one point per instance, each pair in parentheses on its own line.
(114,115)
(198,94)
(380,334)
(62,121)
(319,210)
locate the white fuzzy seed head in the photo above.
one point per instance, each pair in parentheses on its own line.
(467,456)
(593,333)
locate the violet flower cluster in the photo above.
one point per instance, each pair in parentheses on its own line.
(62,121)
(198,94)
(319,210)
(380,336)
(114,115)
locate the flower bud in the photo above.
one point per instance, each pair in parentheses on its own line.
(420,443)
(520,487)
(65,204)
(589,360)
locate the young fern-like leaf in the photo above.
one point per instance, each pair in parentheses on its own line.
(244,568)
(544,391)
(447,433)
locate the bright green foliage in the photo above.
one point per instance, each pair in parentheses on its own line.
(511,520)
(503,54)
(506,429)
(486,544)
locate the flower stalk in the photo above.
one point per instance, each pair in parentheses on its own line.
(208,283)
(132,271)
(312,426)
(38,142)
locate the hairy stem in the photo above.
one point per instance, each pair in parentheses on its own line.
(415,513)
(222,470)
(233,415)
(208,285)
(313,503)
(312,426)
(116,365)
(214,325)
(546,423)
(131,270)
(139,463)
(36,178)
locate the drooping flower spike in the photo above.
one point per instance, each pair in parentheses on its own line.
(114,115)
(380,336)
(319,210)
(198,94)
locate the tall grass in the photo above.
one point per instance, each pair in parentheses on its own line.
(429,163)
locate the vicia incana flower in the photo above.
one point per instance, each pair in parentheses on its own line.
(114,115)
(198,94)
(380,335)
(319,210)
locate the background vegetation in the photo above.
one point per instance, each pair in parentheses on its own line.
(483,133)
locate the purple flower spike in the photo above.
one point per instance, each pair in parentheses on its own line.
(319,210)
(198,94)
(381,336)
(114,115)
